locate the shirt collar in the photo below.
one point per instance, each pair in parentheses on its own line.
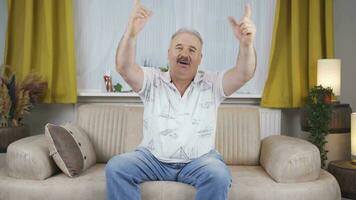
(167,77)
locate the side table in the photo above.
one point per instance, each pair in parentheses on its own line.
(345,174)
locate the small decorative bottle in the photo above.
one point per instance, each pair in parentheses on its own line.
(108,82)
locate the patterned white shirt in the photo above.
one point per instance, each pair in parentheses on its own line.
(177,129)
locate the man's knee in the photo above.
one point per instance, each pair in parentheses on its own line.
(217,173)
(220,176)
(110,167)
(115,165)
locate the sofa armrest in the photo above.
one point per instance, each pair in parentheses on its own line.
(289,160)
(28,158)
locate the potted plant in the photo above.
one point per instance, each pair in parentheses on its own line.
(318,110)
(16,100)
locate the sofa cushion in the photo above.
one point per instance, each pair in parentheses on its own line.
(28,158)
(249,183)
(70,148)
(287,159)
(90,185)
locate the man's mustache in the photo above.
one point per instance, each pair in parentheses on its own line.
(184,60)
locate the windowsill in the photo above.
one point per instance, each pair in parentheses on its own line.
(132,94)
(107,94)
(131,97)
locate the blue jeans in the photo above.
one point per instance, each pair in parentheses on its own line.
(208,174)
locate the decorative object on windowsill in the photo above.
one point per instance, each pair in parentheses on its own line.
(17,98)
(318,109)
(118,87)
(108,82)
(164,69)
(353,138)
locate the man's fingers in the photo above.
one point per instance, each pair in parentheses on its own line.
(146,13)
(232,21)
(140,15)
(137,2)
(247,10)
(143,14)
(245,25)
(246,32)
(141,11)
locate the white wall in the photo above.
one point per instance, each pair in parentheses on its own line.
(345,48)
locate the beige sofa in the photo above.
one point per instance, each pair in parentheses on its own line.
(276,168)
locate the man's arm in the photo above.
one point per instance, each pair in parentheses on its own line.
(126,51)
(245,67)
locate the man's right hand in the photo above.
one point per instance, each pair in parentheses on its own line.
(138,19)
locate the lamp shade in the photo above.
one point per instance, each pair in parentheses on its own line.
(329,74)
(353,134)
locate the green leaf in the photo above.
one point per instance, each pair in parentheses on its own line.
(118,87)
(319,111)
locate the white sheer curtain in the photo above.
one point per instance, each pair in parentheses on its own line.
(99,26)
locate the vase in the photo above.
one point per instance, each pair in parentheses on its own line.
(11,134)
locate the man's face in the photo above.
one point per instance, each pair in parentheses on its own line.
(184,56)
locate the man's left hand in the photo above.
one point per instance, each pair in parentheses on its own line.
(245,29)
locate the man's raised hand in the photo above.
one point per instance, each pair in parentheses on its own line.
(138,18)
(245,29)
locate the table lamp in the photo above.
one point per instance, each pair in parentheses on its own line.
(329,74)
(353,138)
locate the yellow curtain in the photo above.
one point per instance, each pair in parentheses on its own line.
(302,34)
(40,38)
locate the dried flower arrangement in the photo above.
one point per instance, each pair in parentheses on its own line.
(17,98)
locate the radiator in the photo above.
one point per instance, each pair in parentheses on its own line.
(270,122)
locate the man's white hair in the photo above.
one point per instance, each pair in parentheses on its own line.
(187,30)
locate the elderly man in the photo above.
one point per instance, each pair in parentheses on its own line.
(180,112)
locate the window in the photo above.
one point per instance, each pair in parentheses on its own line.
(99,26)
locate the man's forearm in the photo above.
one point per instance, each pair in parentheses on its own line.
(246,63)
(126,52)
